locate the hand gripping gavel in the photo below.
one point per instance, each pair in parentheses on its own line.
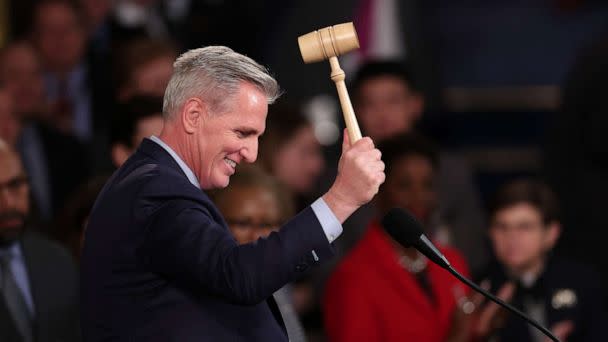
(329,43)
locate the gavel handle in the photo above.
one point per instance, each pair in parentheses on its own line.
(338,76)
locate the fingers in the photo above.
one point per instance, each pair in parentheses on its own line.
(364,144)
(477,298)
(345,141)
(360,170)
(491,310)
(506,291)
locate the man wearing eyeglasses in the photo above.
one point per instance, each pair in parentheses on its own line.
(38,281)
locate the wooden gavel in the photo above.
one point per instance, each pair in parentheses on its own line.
(329,43)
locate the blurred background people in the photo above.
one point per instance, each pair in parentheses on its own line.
(21,74)
(135,119)
(388,103)
(138,118)
(290,151)
(10,127)
(560,294)
(254,205)
(381,291)
(55,161)
(58,34)
(72,220)
(39,280)
(576,157)
(144,67)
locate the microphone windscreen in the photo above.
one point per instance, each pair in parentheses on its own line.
(402,227)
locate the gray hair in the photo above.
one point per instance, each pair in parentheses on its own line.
(214,74)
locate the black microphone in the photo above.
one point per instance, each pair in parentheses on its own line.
(407,231)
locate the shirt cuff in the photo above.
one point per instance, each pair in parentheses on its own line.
(330,224)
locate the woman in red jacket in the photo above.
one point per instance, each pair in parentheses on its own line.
(384,292)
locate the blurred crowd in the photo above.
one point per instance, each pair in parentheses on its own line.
(82,84)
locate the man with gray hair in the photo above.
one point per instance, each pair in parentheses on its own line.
(159,263)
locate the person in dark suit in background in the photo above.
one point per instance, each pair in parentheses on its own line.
(79,99)
(563,295)
(38,280)
(159,263)
(54,161)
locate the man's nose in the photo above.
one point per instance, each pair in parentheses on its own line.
(6,198)
(250,151)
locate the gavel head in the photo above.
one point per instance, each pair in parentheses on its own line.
(328,42)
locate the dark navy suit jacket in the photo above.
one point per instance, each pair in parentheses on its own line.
(159,263)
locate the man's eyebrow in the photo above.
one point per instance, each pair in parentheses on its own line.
(248,130)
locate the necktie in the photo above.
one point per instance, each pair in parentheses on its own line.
(14,299)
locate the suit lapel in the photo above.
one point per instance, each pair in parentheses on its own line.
(8,330)
(274,308)
(35,273)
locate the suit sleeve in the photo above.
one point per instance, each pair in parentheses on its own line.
(185,243)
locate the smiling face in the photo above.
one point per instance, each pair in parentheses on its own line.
(223,140)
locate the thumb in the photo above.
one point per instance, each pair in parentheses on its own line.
(345,141)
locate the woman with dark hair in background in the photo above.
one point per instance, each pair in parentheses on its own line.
(381,291)
(290,151)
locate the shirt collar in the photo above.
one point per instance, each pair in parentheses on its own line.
(14,249)
(191,177)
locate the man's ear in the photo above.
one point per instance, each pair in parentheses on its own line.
(193,114)
(120,154)
(554,230)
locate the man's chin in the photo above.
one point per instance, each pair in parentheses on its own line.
(224,184)
(220,182)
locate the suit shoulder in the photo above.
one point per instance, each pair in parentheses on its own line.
(149,176)
(47,249)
